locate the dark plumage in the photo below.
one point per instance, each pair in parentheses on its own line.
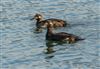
(61,36)
(43,23)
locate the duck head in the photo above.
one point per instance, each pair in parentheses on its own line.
(37,17)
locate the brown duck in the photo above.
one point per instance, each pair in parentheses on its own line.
(43,23)
(61,36)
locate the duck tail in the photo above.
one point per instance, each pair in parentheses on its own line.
(78,39)
(65,23)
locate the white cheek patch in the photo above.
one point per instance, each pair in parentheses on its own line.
(40,16)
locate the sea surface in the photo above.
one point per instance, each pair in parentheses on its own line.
(22,48)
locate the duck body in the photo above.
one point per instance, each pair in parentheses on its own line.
(61,36)
(54,22)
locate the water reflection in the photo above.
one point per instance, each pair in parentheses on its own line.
(37,30)
(50,48)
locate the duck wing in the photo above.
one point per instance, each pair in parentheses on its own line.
(60,36)
(64,35)
(58,20)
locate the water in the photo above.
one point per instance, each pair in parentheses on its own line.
(21,48)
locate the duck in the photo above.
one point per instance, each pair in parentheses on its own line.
(61,36)
(43,23)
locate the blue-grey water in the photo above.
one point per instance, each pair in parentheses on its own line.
(22,48)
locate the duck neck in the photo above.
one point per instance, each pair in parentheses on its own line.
(39,19)
(49,32)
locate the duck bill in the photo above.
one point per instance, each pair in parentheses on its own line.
(32,18)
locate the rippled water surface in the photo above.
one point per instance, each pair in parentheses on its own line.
(21,48)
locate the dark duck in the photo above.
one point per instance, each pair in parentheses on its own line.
(61,36)
(43,23)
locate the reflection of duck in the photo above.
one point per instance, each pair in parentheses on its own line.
(49,50)
(49,47)
(43,23)
(62,36)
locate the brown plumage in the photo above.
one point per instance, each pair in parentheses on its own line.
(61,36)
(43,23)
